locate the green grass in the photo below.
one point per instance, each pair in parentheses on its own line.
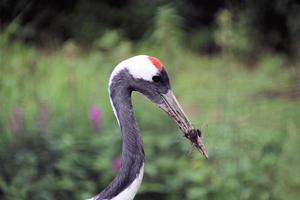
(252,140)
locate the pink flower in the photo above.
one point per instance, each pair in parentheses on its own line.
(95,116)
(16,122)
(116,164)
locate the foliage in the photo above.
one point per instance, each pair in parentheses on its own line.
(166,36)
(55,143)
(59,138)
(234,36)
(274,25)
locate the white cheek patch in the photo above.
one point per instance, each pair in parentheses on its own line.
(139,67)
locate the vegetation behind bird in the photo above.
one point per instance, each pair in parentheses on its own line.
(251,136)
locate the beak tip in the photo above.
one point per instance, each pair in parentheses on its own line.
(204,153)
(206,156)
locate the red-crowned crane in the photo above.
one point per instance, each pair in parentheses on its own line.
(147,75)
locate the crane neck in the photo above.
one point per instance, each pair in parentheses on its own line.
(132,141)
(127,181)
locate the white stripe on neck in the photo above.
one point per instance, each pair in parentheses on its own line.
(129,192)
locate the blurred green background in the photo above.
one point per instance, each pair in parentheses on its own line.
(234,66)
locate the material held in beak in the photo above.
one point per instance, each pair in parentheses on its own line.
(171,106)
(195,137)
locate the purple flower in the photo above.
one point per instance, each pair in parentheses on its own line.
(95,116)
(116,164)
(16,122)
(44,118)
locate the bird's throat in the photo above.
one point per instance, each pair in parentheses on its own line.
(129,177)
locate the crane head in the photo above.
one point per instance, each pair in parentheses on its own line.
(147,75)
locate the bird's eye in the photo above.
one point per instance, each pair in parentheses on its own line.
(156,79)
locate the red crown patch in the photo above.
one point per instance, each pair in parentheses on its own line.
(156,63)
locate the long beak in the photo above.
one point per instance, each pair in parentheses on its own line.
(171,106)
